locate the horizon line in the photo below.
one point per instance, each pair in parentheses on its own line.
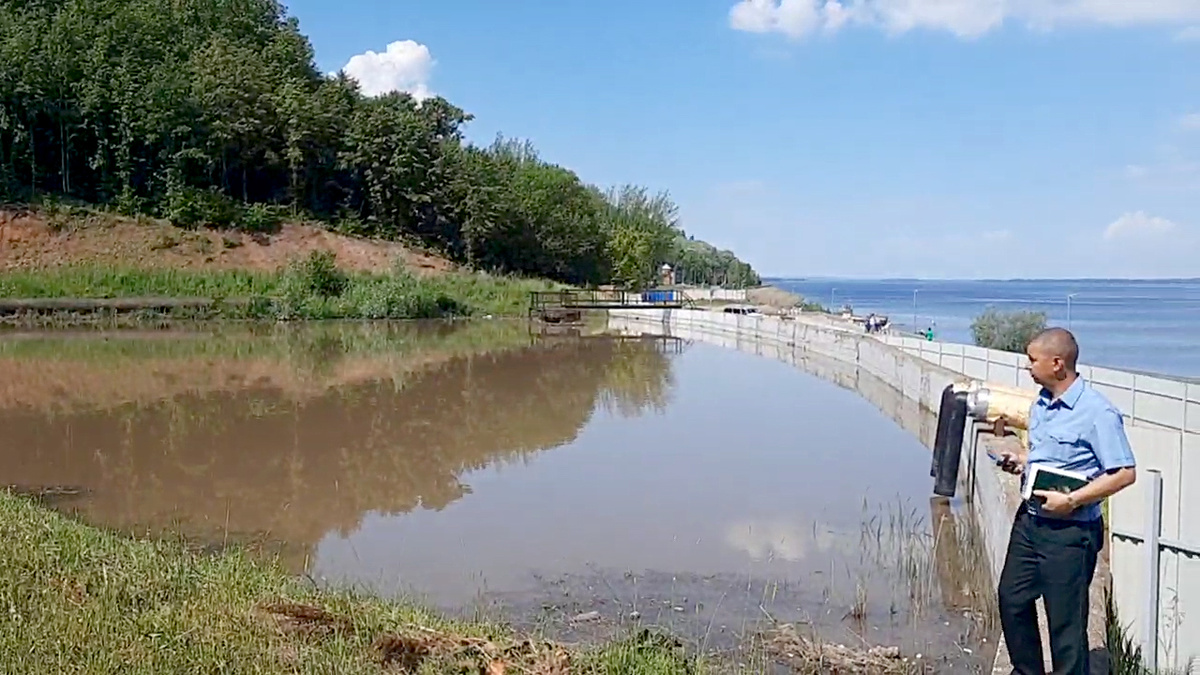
(767,278)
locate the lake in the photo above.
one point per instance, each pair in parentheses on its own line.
(476,467)
(1148,325)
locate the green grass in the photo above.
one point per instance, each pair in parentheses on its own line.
(309,289)
(1125,655)
(101,282)
(76,599)
(289,342)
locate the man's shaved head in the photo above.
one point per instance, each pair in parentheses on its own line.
(1057,342)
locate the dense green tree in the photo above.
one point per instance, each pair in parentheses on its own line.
(1007,331)
(212,112)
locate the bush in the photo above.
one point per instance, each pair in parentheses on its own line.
(260,218)
(190,207)
(401,297)
(1007,331)
(319,274)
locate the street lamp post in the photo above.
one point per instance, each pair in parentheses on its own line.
(1069,296)
(831,307)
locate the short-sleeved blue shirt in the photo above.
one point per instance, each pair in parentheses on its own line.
(1080,431)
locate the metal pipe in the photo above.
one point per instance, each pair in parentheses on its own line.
(947,446)
(989,402)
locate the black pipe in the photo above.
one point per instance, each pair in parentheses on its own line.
(949,441)
(942,420)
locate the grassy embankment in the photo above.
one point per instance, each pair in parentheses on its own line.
(312,288)
(77,599)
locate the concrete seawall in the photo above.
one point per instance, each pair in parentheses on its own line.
(903,386)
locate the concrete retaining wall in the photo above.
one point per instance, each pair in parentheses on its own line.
(1162,417)
(720,294)
(904,386)
(1163,424)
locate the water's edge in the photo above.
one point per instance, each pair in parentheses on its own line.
(904,387)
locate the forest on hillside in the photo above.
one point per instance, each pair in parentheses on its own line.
(213,113)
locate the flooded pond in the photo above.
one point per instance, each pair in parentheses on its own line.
(475,466)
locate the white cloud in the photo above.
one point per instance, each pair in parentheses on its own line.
(1137,224)
(1190,122)
(1136,171)
(1189,34)
(782,538)
(963,18)
(794,18)
(1170,174)
(404,66)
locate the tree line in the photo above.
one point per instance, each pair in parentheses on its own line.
(213,113)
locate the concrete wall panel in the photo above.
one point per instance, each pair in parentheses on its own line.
(1163,427)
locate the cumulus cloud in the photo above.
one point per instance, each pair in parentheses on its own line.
(404,66)
(783,539)
(1137,224)
(963,18)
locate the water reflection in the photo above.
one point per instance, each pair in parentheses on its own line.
(711,483)
(312,433)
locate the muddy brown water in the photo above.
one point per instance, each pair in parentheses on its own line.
(478,468)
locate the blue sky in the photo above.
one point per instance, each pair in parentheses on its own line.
(867,138)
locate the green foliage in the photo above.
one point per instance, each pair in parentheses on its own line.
(318,274)
(312,288)
(193,207)
(1124,654)
(260,218)
(701,263)
(1007,331)
(210,113)
(80,599)
(642,229)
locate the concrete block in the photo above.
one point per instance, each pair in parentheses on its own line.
(1189,492)
(1154,449)
(1158,401)
(1175,389)
(1007,358)
(953,362)
(1110,376)
(1003,373)
(1169,604)
(1183,610)
(1127,560)
(1119,396)
(975,368)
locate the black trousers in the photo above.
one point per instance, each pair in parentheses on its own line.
(1054,560)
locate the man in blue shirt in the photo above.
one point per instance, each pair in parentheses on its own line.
(1057,536)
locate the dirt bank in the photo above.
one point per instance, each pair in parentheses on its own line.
(37,240)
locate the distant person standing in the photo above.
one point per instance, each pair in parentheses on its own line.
(1056,537)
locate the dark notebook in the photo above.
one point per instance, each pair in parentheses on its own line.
(1049,478)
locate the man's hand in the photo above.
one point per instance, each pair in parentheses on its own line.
(1055,503)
